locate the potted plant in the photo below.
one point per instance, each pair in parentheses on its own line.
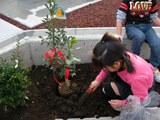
(13,80)
(57,40)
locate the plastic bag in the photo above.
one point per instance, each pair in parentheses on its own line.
(147,110)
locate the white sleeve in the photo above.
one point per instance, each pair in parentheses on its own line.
(121,16)
(153,16)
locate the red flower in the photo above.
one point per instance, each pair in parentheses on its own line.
(49,54)
(62,57)
(52,53)
(59,53)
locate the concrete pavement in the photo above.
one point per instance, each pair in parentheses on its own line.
(31,12)
(7,29)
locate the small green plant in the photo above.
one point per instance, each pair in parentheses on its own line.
(58,41)
(14,80)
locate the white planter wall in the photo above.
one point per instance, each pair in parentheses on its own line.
(87,38)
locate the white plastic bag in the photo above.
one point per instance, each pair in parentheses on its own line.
(147,110)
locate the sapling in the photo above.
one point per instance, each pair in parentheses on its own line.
(58,41)
(14,79)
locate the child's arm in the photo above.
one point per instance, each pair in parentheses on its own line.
(94,84)
(115,103)
(102,75)
(100,78)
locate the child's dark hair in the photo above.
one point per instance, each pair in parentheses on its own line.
(108,51)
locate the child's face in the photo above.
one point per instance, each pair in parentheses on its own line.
(114,67)
(111,68)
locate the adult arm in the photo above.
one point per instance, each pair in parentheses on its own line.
(155,19)
(119,28)
(120,17)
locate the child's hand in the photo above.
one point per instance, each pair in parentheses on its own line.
(95,84)
(115,104)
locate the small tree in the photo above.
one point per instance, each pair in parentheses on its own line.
(57,40)
(14,80)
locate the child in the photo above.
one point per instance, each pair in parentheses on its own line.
(131,74)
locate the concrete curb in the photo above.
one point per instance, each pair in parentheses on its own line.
(101,118)
(34,51)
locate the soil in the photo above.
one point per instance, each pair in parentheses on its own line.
(44,102)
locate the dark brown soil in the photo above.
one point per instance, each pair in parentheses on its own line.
(45,103)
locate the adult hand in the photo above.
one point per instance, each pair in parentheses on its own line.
(120,37)
(95,84)
(115,104)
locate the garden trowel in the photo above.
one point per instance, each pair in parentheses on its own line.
(85,96)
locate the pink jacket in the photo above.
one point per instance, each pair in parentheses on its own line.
(140,81)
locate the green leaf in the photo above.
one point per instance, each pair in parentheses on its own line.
(78,48)
(68,62)
(75,58)
(73,41)
(73,74)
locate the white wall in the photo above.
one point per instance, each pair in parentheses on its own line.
(34,51)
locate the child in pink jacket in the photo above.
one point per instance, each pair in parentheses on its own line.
(131,74)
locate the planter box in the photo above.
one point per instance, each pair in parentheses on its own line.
(87,38)
(34,51)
